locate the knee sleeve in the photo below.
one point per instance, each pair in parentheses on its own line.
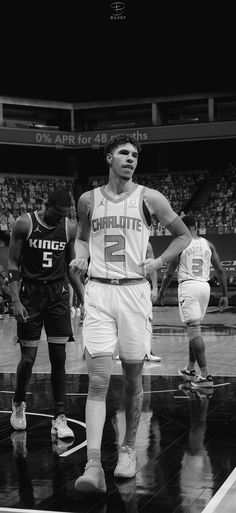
(57,355)
(28,355)
(27,363)
(99,371)
(194,330)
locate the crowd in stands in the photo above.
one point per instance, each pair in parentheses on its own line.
(5,296)
(20,194)
(178,189)
(218,215)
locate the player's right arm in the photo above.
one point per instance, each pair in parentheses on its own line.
(215,260)
(80,263)
(18,237)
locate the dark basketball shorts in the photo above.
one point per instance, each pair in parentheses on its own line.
(47,305)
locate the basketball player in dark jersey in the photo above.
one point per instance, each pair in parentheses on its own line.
(41,248)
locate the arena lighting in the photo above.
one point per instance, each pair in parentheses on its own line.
(110,126)
(115,125)
(42,126)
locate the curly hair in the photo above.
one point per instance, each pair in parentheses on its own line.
(120,141)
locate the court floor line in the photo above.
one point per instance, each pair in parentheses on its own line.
(160,391)
(70,451)
(220,495)
(12,392)
(20,510)
(221,385)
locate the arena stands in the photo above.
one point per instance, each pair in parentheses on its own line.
(216,213)
(24,193)
(212,199)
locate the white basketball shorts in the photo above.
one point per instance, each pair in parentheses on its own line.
(118,314)
(193,299)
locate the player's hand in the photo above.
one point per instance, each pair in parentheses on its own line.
(20,312)
(79,265)
(150,264)
(154,296)
(223,303)
(160,299)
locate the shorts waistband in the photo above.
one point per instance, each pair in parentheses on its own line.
(184,281)
(41,282)
(119,281)
(192,280)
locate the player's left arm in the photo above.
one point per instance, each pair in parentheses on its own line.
(79,264)
(168,276)
(159,206)
(153,274)
(216,262)
(74,278)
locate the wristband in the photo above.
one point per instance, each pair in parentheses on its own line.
(13,275)
(163,260)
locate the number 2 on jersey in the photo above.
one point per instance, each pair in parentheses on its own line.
(109,251)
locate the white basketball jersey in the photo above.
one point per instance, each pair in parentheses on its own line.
(119,235)
(195,261)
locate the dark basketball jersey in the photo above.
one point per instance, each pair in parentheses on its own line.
(44,250)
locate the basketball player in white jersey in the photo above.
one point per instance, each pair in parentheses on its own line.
(193,273)
(113,232)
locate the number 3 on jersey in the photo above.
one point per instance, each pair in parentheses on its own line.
(197,264)
(118,245)
(47,259)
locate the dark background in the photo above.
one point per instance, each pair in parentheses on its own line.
(77,53)
(186,156)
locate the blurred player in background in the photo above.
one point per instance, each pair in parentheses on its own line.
(193,273)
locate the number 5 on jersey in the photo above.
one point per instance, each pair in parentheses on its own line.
(47,259)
